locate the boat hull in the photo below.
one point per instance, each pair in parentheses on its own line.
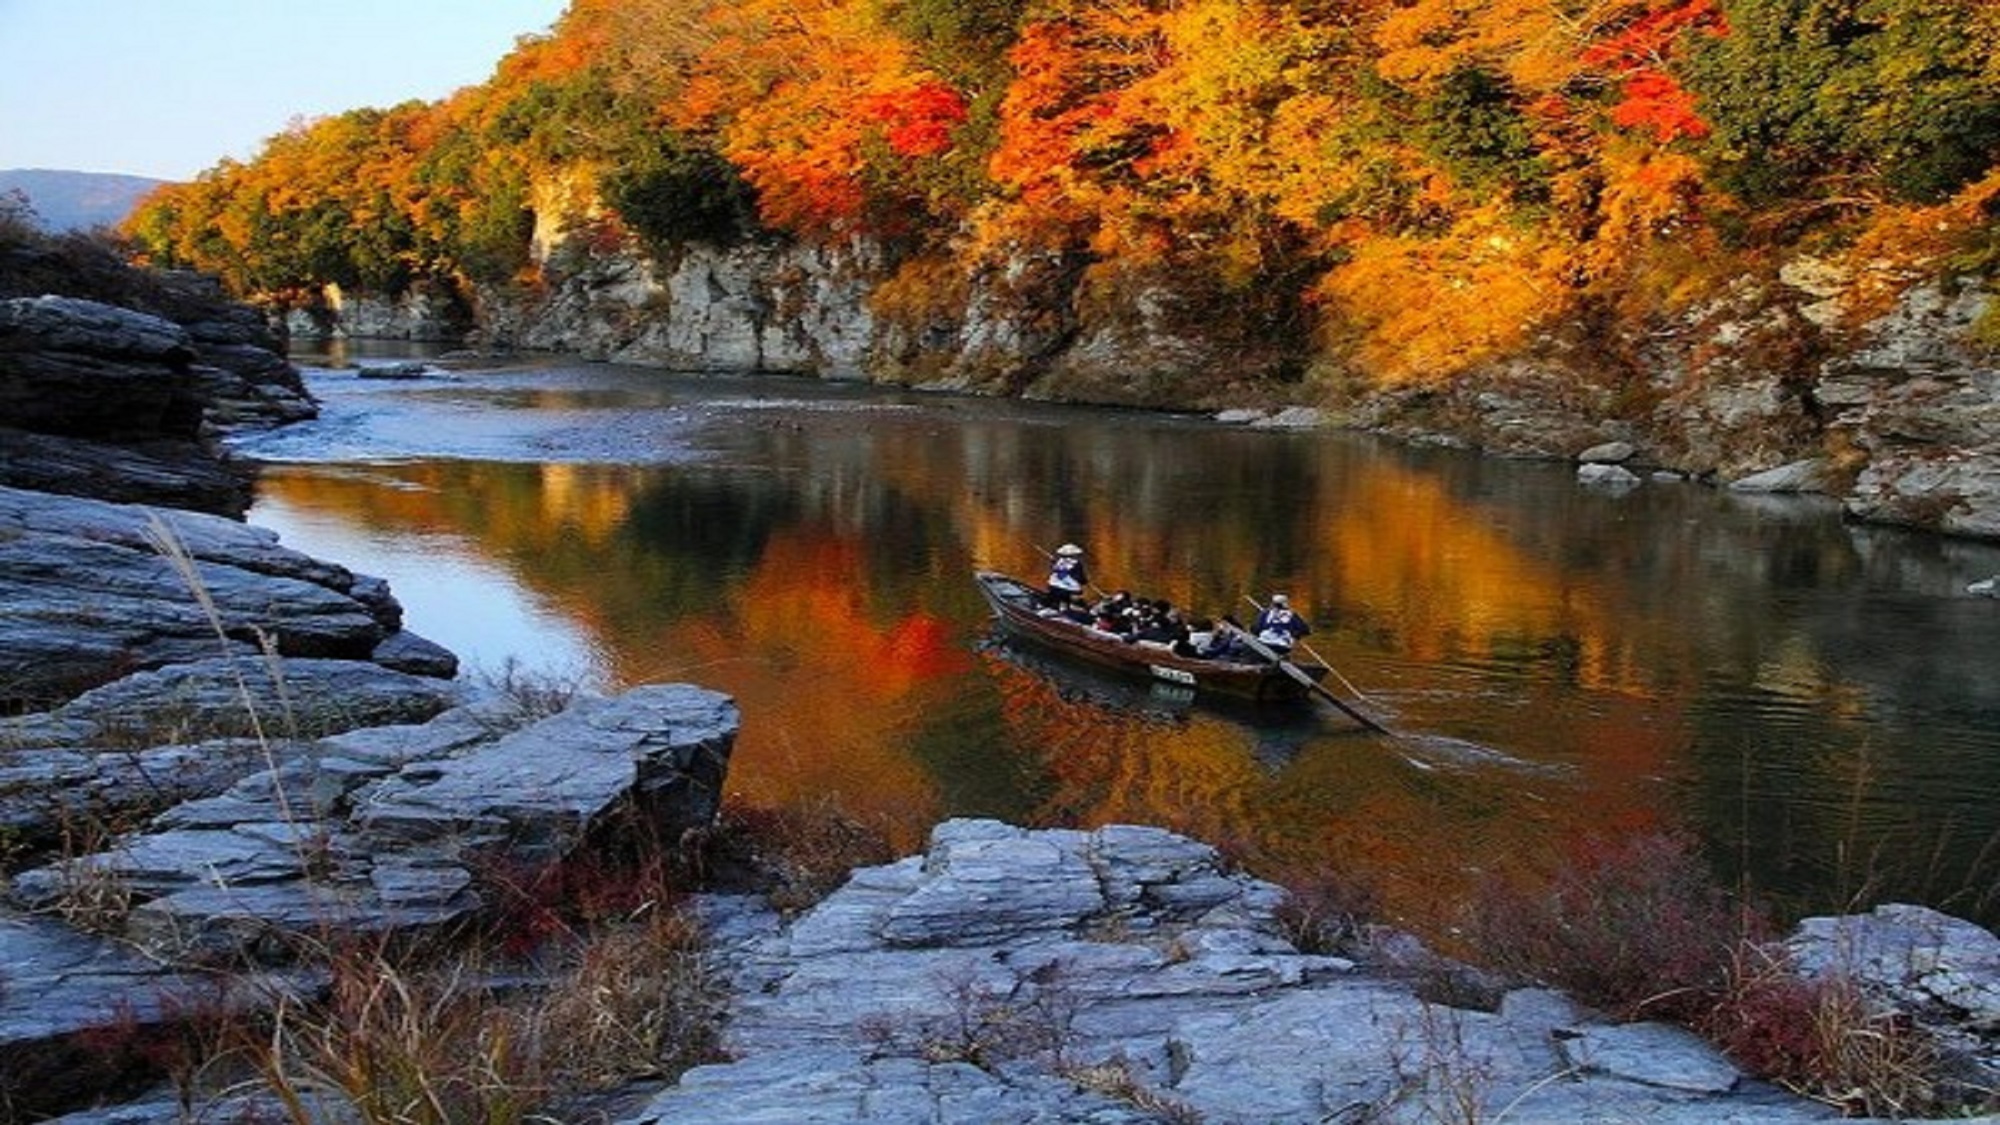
(1017,609)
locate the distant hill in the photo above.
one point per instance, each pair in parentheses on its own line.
(77,200)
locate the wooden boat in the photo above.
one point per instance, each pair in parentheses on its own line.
(1018,608)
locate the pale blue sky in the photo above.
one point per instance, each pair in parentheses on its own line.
(166,88)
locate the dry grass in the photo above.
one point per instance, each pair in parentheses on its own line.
(795,855)
(537,695)
(1327,912)
(1114,1079)
(410,1047)
(1824,1039)
(1636,927)
(638,1002)
(94,898)
(403,1042)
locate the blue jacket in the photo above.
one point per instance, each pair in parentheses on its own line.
(1279,627)
(1068,575)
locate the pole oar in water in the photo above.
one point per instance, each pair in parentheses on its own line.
(1299,674)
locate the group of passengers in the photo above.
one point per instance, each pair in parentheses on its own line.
(1156,621)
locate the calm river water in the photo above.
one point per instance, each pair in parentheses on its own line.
(1815,702)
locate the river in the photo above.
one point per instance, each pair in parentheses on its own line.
(1813,701)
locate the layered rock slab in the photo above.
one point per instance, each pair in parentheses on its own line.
(1126,974)
(387,829)
(202,914)
(96,591)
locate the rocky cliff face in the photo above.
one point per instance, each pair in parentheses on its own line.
(1896,412)
(109,402)
(1921,406)
(789,309)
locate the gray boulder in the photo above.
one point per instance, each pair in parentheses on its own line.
(85,369)
(1810,475)
(1919,398)
(381,831)
(1612,478)
(289,858)
(44,790)
(70,1000)
(93,593)
(1608,453)
(1942,972)
(1126,974)
(537,792)
(116,403)
(240,696)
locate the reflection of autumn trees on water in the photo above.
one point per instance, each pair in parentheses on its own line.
(1588,650)
(832,691)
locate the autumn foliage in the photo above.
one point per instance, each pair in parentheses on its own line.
(1436,181)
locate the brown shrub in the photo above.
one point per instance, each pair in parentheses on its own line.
(1634,926)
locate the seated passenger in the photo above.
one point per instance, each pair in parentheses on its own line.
(1114,614)
(1202,640)
(1162,624)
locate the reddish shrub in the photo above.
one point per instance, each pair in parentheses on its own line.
(794,854)
(1633,925)
(1327,911)
(533,905)
(1824,1038)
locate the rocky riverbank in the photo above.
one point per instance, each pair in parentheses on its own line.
(118,382)
(221,759)
(1805,380)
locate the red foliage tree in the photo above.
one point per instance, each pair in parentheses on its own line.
(1637,56)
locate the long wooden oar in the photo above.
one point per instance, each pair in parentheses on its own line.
(1299,674)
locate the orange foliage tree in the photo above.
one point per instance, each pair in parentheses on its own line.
(824,108)
(1438,181)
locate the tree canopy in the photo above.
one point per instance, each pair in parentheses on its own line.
(1435,179)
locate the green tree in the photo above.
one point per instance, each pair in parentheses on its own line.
(671,191)
(1472,126)
(1849,98)
(964,40)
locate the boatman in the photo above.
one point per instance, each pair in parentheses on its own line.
(1278,627)
(1067,576)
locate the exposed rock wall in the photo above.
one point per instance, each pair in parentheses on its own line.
(1921,405)
(423,312)
(1771,386)
(238,360)
(1899,410)
(780,308)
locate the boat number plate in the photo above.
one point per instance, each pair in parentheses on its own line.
(1172,675)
